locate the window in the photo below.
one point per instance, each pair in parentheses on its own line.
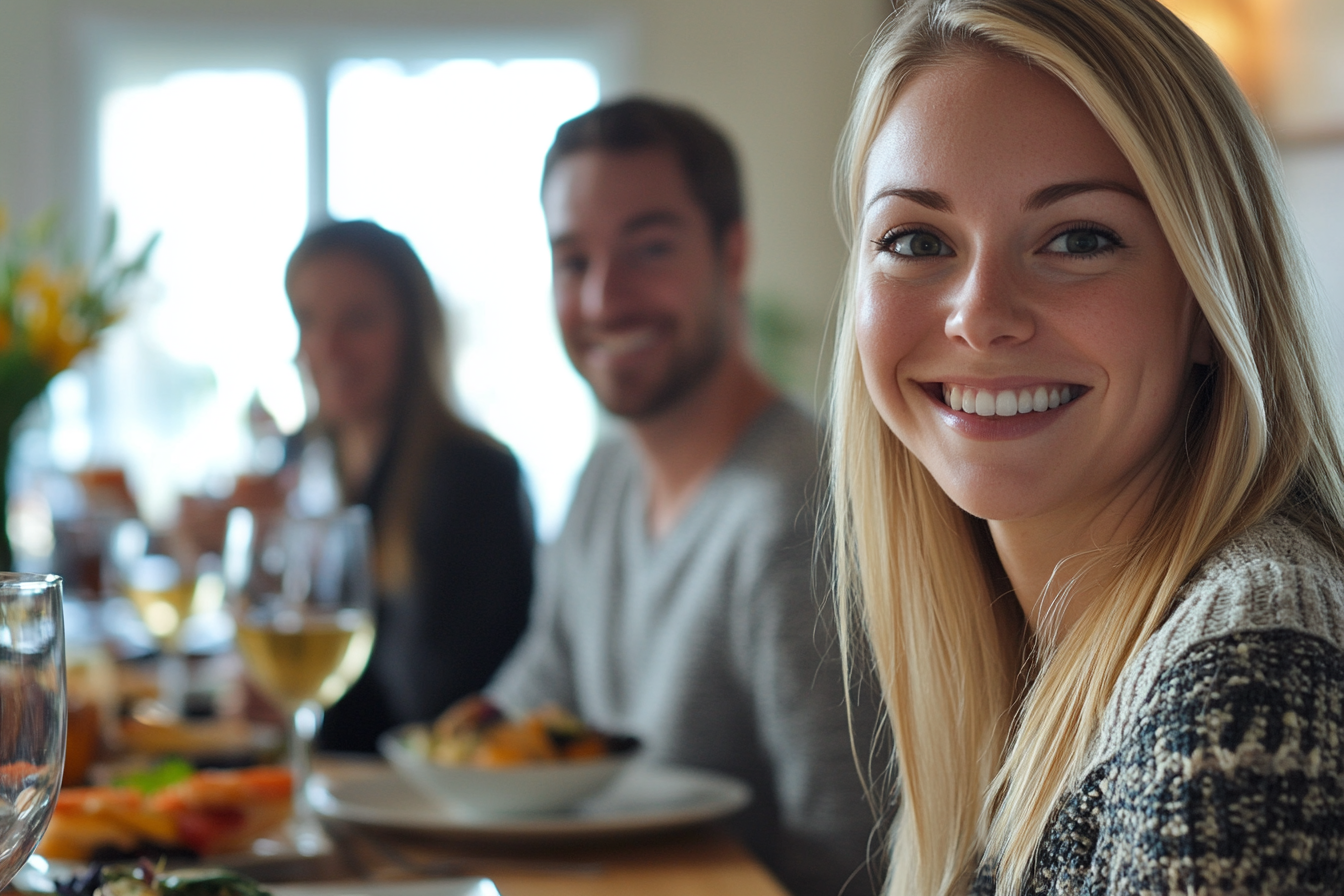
(225,160)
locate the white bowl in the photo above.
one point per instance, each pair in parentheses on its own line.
(532,789)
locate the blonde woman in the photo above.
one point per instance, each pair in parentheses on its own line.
(1087,479)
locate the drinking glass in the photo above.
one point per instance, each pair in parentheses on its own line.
(32,712)
(162,594)
(302,598)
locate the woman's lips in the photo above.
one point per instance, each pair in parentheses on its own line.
(993,426)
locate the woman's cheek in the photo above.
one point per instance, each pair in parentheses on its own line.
(883,335)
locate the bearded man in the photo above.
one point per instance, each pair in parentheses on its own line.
(677,604)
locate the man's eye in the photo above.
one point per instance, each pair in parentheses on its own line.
(914,244)
(1083,242)
(654,250)
(571,264)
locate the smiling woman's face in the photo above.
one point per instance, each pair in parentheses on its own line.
(351,336)
(1023,326)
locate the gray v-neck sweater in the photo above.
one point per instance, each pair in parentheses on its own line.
(710,644)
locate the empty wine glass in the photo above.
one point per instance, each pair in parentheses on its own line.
(302,598)
(32,712)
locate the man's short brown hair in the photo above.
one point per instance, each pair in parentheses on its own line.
(638,123)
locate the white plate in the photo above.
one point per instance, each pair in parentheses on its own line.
(458,886)
(647,797)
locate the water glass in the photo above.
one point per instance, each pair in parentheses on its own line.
(32,712)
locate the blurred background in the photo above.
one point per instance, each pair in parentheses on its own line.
(226,128)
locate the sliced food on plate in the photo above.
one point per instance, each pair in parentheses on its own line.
(211,812)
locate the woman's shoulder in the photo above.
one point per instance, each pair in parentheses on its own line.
(1275,575)
(470,452)
(1230,780)
(1273,588)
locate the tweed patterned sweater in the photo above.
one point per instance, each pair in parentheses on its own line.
(1219,765)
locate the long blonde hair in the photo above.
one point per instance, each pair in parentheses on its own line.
(988,734)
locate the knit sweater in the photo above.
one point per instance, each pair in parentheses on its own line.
(1219,764)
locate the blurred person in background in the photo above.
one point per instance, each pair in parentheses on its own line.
(452,524)
(677,603)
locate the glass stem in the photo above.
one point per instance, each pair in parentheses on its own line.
(309,838)
(173,673)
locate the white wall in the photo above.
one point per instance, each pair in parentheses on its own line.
(777,74)
(1306,112)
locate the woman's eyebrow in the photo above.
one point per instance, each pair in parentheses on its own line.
(927,198)
(1059,192)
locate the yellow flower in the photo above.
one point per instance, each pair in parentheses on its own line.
(42,299)
(33,278)
(53,312)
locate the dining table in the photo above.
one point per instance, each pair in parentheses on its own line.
(693,861)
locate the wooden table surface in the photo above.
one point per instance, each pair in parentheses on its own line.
(702,860)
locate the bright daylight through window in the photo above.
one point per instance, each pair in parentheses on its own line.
(448,153)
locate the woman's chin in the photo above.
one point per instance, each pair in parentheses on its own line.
(1001,496)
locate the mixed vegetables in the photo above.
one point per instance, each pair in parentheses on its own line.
(147,879)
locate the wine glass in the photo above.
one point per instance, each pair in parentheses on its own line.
(32,712)
(302,598)
(163,596)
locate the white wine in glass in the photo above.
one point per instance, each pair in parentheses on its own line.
(309,657)
(32,712)
(302,599)
(163,596)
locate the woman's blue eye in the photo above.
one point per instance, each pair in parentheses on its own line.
(916,244)
(1082,242)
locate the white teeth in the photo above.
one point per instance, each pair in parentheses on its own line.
(617,344)
(1008,403)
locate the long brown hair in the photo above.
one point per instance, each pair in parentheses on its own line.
(421,416)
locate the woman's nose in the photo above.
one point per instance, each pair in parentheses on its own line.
(990,307)
(319,345)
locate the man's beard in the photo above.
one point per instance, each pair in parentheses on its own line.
(687,370)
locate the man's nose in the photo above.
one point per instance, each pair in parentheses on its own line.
(600,291)
(990,307)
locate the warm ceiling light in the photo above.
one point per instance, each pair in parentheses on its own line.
(1242,32)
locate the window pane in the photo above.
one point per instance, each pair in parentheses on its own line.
(450,156)
(216,161)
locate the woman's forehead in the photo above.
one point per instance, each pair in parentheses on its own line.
(979,121)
